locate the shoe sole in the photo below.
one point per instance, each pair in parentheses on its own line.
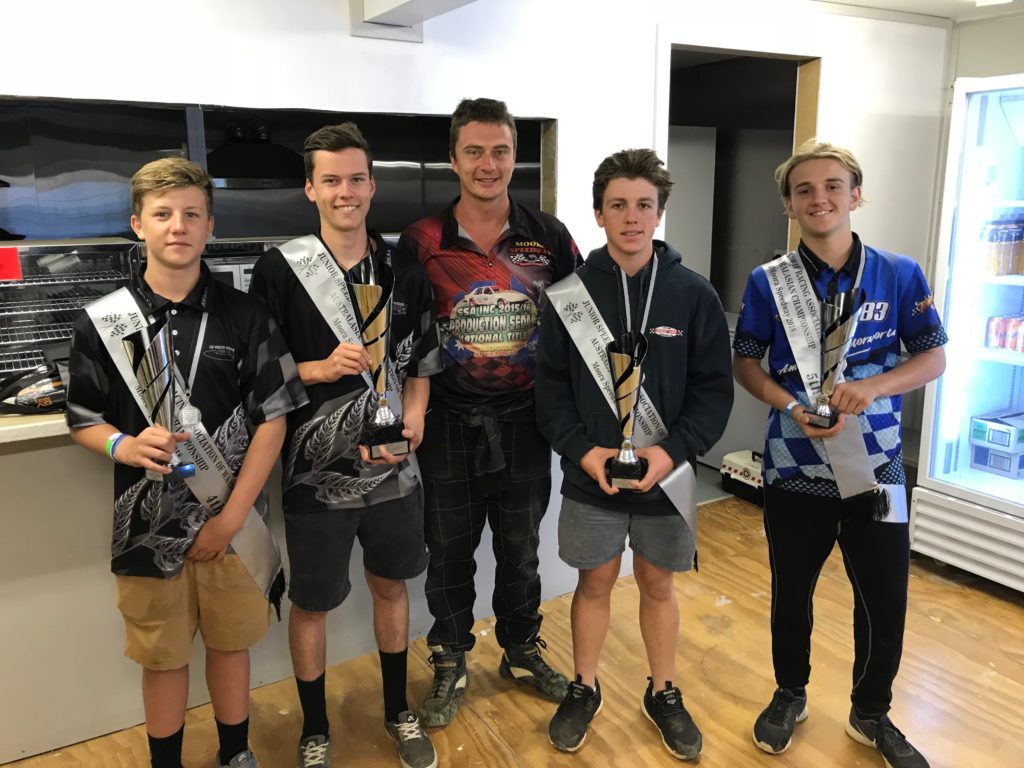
(768,747)
(505,670)
(576,748)
(700,739)
(424,718)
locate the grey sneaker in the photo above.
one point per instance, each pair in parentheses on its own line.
(524,664)
(414,748)
(679,733)
(450,680)
(773,730)
(887,739)
(314,752)
(242,760)
(568,728)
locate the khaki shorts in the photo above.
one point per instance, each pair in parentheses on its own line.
(161,616)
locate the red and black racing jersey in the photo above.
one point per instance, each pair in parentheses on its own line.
(489,304)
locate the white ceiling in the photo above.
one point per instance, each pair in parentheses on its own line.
(960,10)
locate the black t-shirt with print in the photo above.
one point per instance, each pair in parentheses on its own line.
(244,376)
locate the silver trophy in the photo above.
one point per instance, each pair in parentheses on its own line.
(624,357)
(839,314)
(151,355)
(372,301)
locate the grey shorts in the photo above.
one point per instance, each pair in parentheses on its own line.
(590,536)
(320,547)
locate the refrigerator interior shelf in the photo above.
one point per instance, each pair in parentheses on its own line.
(1005,356)
(1005,280)
(985,483)
(13,362)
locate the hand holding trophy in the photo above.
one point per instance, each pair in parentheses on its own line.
(373,305)
(625,356)
(839,314)
(151,355)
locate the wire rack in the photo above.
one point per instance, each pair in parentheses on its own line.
(28,330)
(68,301)
(72,277)
(13,362)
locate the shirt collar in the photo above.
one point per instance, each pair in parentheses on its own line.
(197,298)
(817,265)
(451,232)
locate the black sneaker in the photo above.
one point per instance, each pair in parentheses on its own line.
(773,730)
(450,680)
(679,733)
(568,728)
(314,752)
(887,739)
(414,748)
(524,664)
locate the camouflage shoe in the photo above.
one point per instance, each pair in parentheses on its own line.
(524,664)
(450,680)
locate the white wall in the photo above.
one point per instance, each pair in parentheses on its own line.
(598,69)
(688,214)
(990,47)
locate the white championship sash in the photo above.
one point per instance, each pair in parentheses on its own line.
(327,287)
(117,315)
(589,332)
(800,315)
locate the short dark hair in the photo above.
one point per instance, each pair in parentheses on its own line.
(480,111)
(169,173)
(632,164)
(335,138)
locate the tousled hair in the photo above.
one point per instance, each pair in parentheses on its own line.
(335,138)
(480,111)
(169,173)
(632,164)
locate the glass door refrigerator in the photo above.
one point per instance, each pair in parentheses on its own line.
(968,508)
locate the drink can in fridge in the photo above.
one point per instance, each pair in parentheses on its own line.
(1013,332)
(996,335)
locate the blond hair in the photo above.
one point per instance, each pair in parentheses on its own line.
(169,173)
(818,150)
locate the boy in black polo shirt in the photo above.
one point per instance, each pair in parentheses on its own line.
(178,561)
(333,492)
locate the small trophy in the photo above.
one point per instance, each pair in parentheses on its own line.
(838,326)
(373,304)
(625,356)
(152,358)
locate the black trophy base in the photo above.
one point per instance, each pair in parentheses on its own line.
(820,421)
(388,437)
(624,475)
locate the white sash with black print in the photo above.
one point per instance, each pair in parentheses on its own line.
(800,315)
(118,315)
(327,287)
(589,332)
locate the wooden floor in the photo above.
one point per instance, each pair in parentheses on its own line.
(959,696)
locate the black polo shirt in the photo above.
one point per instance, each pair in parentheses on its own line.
(244,376)
(335,477)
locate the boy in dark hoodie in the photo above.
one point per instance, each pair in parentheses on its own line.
(633,294)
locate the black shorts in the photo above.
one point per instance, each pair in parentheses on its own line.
(320,548)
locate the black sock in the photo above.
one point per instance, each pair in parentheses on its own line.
(233,739)
(313,698)
(393,668)
(166,752)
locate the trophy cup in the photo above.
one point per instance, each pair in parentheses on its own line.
(151,356)
(373,305)
(838,326)
(625,356)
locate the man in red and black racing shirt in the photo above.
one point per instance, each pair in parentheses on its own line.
(483,459)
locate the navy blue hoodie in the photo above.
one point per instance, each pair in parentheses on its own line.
(687,373)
